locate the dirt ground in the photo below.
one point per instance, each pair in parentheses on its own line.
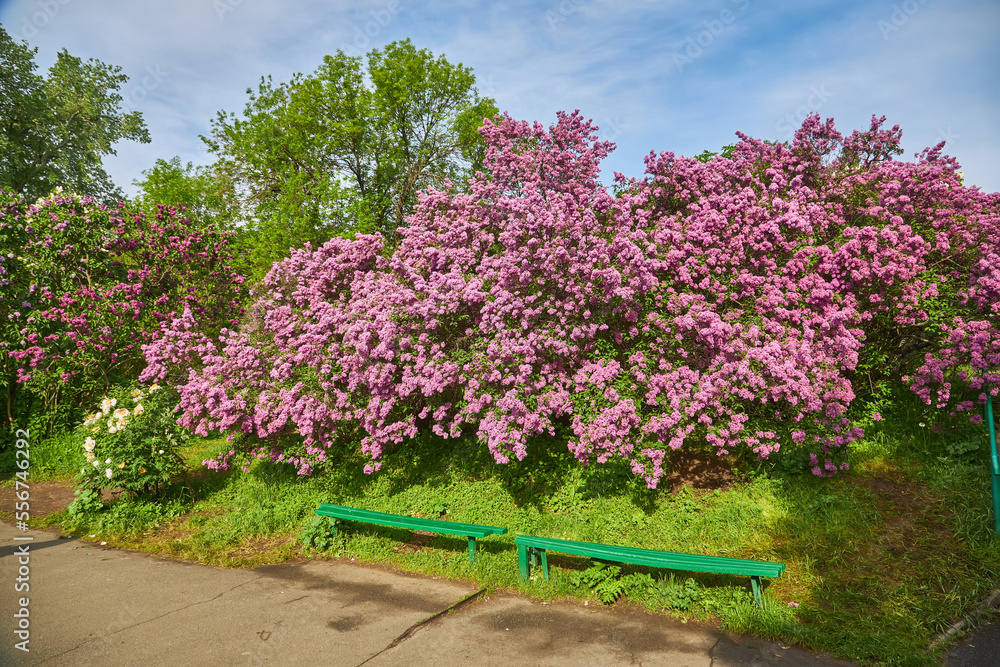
(44,498)
(699,470)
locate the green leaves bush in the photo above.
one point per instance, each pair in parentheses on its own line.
(131,442)
(319,534)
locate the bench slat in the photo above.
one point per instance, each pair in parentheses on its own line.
(650,557)
(528,546)
(396,520)
(467,530)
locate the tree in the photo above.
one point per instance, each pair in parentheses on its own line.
(345,150)
(204,195)
(55,130)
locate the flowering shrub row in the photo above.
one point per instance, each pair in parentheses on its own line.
(729,302)
(82,286)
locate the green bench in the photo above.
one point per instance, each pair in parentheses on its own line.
(469,530)
(529,549)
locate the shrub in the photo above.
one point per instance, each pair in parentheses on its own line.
(82,286)
(131,442)
(85,501)
(734,303)
(320,534)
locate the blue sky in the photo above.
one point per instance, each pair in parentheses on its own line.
(673,75)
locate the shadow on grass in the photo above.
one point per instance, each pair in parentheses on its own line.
(434,462)
(889,555)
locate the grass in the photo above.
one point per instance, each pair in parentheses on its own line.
(879,561)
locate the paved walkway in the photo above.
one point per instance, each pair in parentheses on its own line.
(93,605)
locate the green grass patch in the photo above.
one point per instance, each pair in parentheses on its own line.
(879,560)
(57,457)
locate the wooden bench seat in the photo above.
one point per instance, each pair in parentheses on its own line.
(530,548)
(469,530)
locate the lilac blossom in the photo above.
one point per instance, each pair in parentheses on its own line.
(725,303)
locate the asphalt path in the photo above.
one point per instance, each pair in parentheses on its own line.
(979,649)
(81,603)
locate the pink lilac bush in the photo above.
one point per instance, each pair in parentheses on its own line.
(85,285)
(726,303)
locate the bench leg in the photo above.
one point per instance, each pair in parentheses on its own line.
(472,549)
(756,584)
(522,562)
(545,563)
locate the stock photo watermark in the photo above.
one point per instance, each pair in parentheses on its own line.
(612,129)
(371,29)
(899,17)
(22,516)
(790,122)
(947,135)
(138,93)
(45,11)
(223,7)
(698,43)
(562,11)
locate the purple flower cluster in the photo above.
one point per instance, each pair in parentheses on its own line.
(89,284)
(726,302)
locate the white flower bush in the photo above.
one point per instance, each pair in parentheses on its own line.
(131,442)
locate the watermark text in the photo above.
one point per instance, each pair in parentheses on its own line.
(22,515)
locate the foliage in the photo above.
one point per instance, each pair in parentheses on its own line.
(675,594)
(55,130)
(319,534)
(726,304)
(608,583)
(131,442)
(727,152)
(86,501)
(82,285)
(202,194)
(346,149)
(666,592)
(126,517)
(602,579)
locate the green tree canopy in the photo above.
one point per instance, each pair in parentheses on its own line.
(54,130)
(346,149)
(203,194)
